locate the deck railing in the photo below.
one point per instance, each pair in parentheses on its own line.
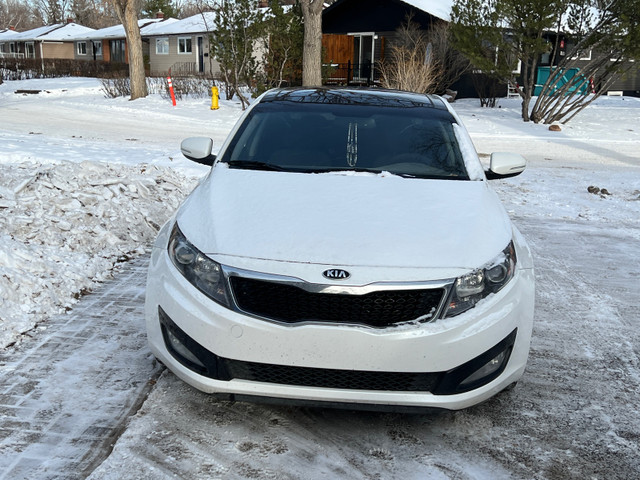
(351,73)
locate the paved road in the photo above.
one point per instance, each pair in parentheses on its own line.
(67,393)
(68,388)
(574,415)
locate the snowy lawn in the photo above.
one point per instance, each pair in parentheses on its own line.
(85,181)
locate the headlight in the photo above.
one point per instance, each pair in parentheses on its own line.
(473,287)
(202,272)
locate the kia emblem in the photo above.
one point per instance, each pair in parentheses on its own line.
(336,274)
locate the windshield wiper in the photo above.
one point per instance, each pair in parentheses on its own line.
(254,165)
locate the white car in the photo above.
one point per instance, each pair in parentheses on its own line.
(344,250)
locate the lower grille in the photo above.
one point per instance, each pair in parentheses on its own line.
(290,304)
(326,378)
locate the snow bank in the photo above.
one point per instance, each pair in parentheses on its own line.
(64,227)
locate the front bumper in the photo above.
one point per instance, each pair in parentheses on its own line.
(439,354)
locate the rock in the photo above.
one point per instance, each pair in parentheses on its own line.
(555,128)
(592,189)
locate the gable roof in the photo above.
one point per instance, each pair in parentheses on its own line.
(67,32)
(437,8)
(117,31)
(199,23)
(30,34)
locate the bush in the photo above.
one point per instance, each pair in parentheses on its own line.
(27,68)
(183,87)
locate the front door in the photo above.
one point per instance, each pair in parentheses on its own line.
(200,55)
(363,56)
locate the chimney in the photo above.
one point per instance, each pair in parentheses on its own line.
(12,27)
(159,14)
(69,20)
(263,3)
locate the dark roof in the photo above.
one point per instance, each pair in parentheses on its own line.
(354,96)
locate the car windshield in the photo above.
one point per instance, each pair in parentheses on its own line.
(315,138)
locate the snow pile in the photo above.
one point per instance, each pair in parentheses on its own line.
(65,226)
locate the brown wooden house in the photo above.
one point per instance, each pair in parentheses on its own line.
(356,34)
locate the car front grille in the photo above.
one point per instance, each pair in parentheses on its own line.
(291,304)
(328,378)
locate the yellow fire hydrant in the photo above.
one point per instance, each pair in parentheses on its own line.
(214,98)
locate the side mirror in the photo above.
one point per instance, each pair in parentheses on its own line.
(505,165)
(198,149)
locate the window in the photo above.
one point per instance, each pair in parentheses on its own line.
(317,138)
(82,48)
(97,49)
(162,46)
(184,45)
(117,49)
(29,50)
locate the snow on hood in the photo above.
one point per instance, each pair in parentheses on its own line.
(345,219)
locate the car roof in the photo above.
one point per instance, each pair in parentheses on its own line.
(354,96)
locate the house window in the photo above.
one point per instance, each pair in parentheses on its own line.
(97,49)
(162,46)
(82,48)
(12,47)
(29,50)
(2,50)
(116,47)
(184,45)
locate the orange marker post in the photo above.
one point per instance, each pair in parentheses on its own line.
(173,95)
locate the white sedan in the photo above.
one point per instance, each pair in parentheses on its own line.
(344,250)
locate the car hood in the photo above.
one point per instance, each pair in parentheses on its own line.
(345,219)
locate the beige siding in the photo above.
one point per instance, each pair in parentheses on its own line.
(180,63)
(58,50)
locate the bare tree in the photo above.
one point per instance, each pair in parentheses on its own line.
(312,53)
(451,62)
(53,11)
(605,44)
(128,11)
(93,13)
(18,14)
(410,65)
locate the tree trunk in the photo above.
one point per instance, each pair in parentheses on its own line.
(128,13)
(312,54)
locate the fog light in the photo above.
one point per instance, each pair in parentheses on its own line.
(488,369)
(177,347)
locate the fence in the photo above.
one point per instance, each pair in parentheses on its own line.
(21,68)
(351,73)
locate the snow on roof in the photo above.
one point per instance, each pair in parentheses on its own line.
(68,32)
(201,22)
(117,31)
(437,8)
(152,27)
(30,34)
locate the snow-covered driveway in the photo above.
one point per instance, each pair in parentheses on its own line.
(575,414)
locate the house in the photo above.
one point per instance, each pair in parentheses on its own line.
(110,45)
(560,45)
(182,47)
(51,42)
(357,32)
